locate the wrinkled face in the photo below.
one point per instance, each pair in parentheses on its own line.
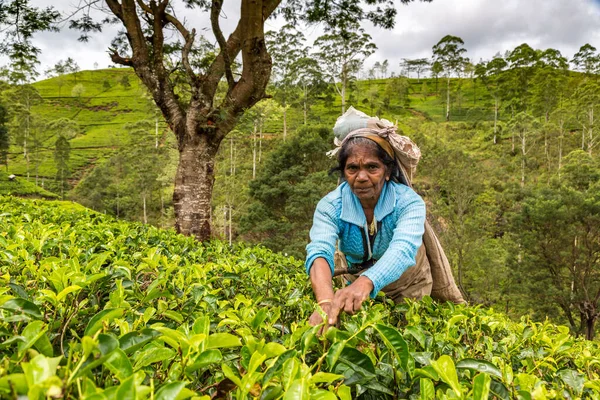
(365,173)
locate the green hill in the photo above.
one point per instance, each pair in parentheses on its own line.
(96,308)
(102,111)
(106,107)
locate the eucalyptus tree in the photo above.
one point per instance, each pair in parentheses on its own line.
(286,46)
(384,68)
(419,65)
(522,65)
(342,51)
(208,101)
(526,127)
(64,130)
(24,122)
(586,104)
(57,72)
(557,230)
(4,136)
(548,87)
(493,76)
(448,52)
(436,70)
(311,82)
(586,59)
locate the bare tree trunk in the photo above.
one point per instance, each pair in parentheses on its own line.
(156,132)
(145,213)
(495,120)
(448,100)
(230,212)
(343,93)
(560,148)
(305,110)
(254,151)
(260,138)
(523,153)
(284,120)
(591,130)
(193,186)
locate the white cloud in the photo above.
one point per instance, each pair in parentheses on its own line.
(486,26)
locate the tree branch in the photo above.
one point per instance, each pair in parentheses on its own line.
(216,70)
(257,64)
(117,59)
(215,11)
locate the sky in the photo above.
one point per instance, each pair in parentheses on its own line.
(486,26)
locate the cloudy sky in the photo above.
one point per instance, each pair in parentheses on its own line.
(486,26)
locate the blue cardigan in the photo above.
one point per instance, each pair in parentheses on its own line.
(339,216)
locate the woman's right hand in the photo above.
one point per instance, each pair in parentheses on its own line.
(316,319)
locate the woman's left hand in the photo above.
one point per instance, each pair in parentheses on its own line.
(350,298)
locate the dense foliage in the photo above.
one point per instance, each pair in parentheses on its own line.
(96,308)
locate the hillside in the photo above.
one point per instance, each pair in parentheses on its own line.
(102,111)
(130,311)
(19,186)
(106,109)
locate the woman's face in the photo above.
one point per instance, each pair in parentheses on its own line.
(365,173)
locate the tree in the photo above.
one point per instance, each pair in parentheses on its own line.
(57,72)
(71,67)
(342,53)
(448,52)
(436,70)
(310,79)
(419,65)
(493,77)
(557,230)
(4,136)
(124,81)
(24,124)
(64,129)
(587,100)
(286,47)
(19,22)
(522,62)
(586,59)
(525,126)
(384,67)
(285,192)
(548,87)
(199,114)
(78,91)
(397,88)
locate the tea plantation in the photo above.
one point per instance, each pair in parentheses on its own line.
(95,308)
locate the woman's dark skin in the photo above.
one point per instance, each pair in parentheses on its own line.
(366,175)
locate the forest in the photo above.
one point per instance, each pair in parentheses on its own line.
(510,174)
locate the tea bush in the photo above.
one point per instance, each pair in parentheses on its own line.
(96,308)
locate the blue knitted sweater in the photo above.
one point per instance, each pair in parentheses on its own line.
(339,217)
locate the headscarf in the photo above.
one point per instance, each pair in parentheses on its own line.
(381,131)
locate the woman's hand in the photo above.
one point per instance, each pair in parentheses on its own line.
(350,298)
(316,319)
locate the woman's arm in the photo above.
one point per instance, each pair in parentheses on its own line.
(321,280)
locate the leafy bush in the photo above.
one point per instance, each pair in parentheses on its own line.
(95,308)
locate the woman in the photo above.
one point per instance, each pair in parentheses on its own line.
(378,224)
